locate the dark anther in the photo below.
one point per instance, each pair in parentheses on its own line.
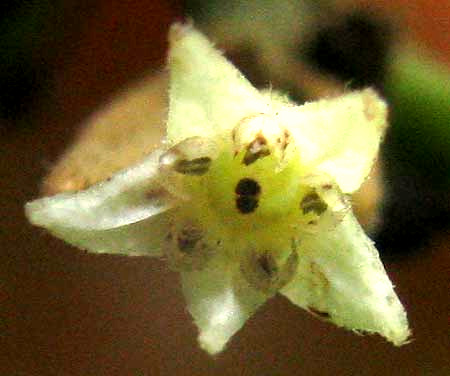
(246,204)
(257,149)
(157,195)
(268,265)
(247,187)
(197,166)
(313,203)
(188,238)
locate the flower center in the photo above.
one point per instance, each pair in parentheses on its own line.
(249,188)
(255,194)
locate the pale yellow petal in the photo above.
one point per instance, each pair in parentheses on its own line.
(340,277)
(339,136)
(207,93)
(111,216)
(220,301)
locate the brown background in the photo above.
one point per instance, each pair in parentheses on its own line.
(64,312)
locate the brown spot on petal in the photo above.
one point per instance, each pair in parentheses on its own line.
(287,139)
(233,135)
(320,280)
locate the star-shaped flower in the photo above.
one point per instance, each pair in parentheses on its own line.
(247,199)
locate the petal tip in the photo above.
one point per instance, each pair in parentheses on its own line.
(375,108)
(212,343)
(35,212)
(400,335)
(179,30)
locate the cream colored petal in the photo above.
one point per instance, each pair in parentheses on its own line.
(220,301)
(340,276)
(143,238)
(207,93)
(102,218)
(339,136)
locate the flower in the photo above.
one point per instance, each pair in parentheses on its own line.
(246,199)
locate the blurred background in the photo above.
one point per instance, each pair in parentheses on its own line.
(93,72)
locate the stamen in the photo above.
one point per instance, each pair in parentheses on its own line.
(313,203)
(268,265)
(197,166)
(192,156)
(188,238)
(256,150)
(186,247)
(262,271)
